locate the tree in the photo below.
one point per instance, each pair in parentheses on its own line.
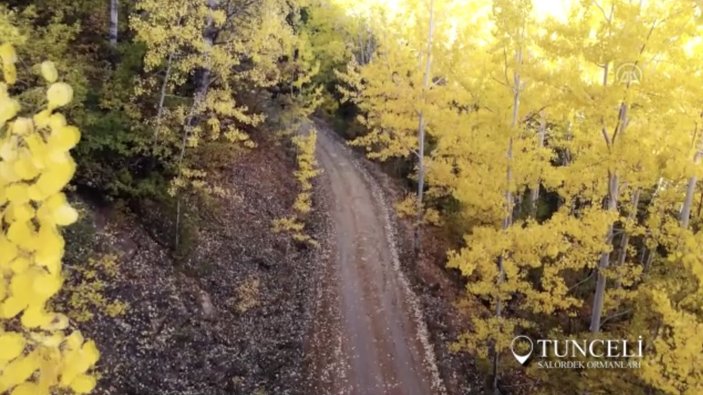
(207,52)
(402,92)
(114,21)
(585,119)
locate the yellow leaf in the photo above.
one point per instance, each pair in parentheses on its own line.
(19,265)
(7,53)
(21,234)
(48,71)
(65,215)
(47,285)
(9,57)
(11,307)
(74,341)
(56,121)
(11,345)
(90,352)
(41,119)
(8,109)
(17,193)
(59,94)
(65,137)
(29,389)
(35,316)
(18,371)
(10,72)
(22,126)
(25,169)
(8,251)
(83,384)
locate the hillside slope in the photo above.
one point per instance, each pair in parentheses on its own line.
(230,318)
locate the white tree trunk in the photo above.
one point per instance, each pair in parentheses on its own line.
(114,19)
(685,215)
(203,85)
(509,199)
(604,262)
(162,97)
(426,80)
(611,205)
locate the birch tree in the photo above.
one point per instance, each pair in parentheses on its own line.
(114,21)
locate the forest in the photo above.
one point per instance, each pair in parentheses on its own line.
(351,197)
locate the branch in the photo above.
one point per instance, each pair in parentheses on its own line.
(531,116)
(499,81)
(624,312)
(505,68)
(601,10)
(605,136)
(581,282)
(439,81)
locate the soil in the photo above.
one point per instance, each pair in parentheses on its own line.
(371,336)
(439,294)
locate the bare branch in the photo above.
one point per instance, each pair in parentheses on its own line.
(616,315)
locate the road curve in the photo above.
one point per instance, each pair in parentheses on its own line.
(369,339)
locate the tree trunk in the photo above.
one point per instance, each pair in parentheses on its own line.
(177,236)
(420,183)
(509,203)
(604,263)
(611,205)
(625,240)
(114,18)
(198,98)
(507,221)
(685,215)
(162,97)
(209,34)
(534,193)
(426,79)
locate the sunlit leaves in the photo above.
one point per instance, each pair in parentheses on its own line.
(9,58)
(48,71)
(59,94)
(35,165)
(571,75)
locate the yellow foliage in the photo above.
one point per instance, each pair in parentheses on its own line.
(407,208)
(248,295)
(48,71)
(541,106)
(87,296)
(9,58)
(307,170)
(59,94)
(38,355)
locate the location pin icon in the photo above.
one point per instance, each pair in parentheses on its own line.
(524,357)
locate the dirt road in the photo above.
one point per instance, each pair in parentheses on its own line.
(369,338)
